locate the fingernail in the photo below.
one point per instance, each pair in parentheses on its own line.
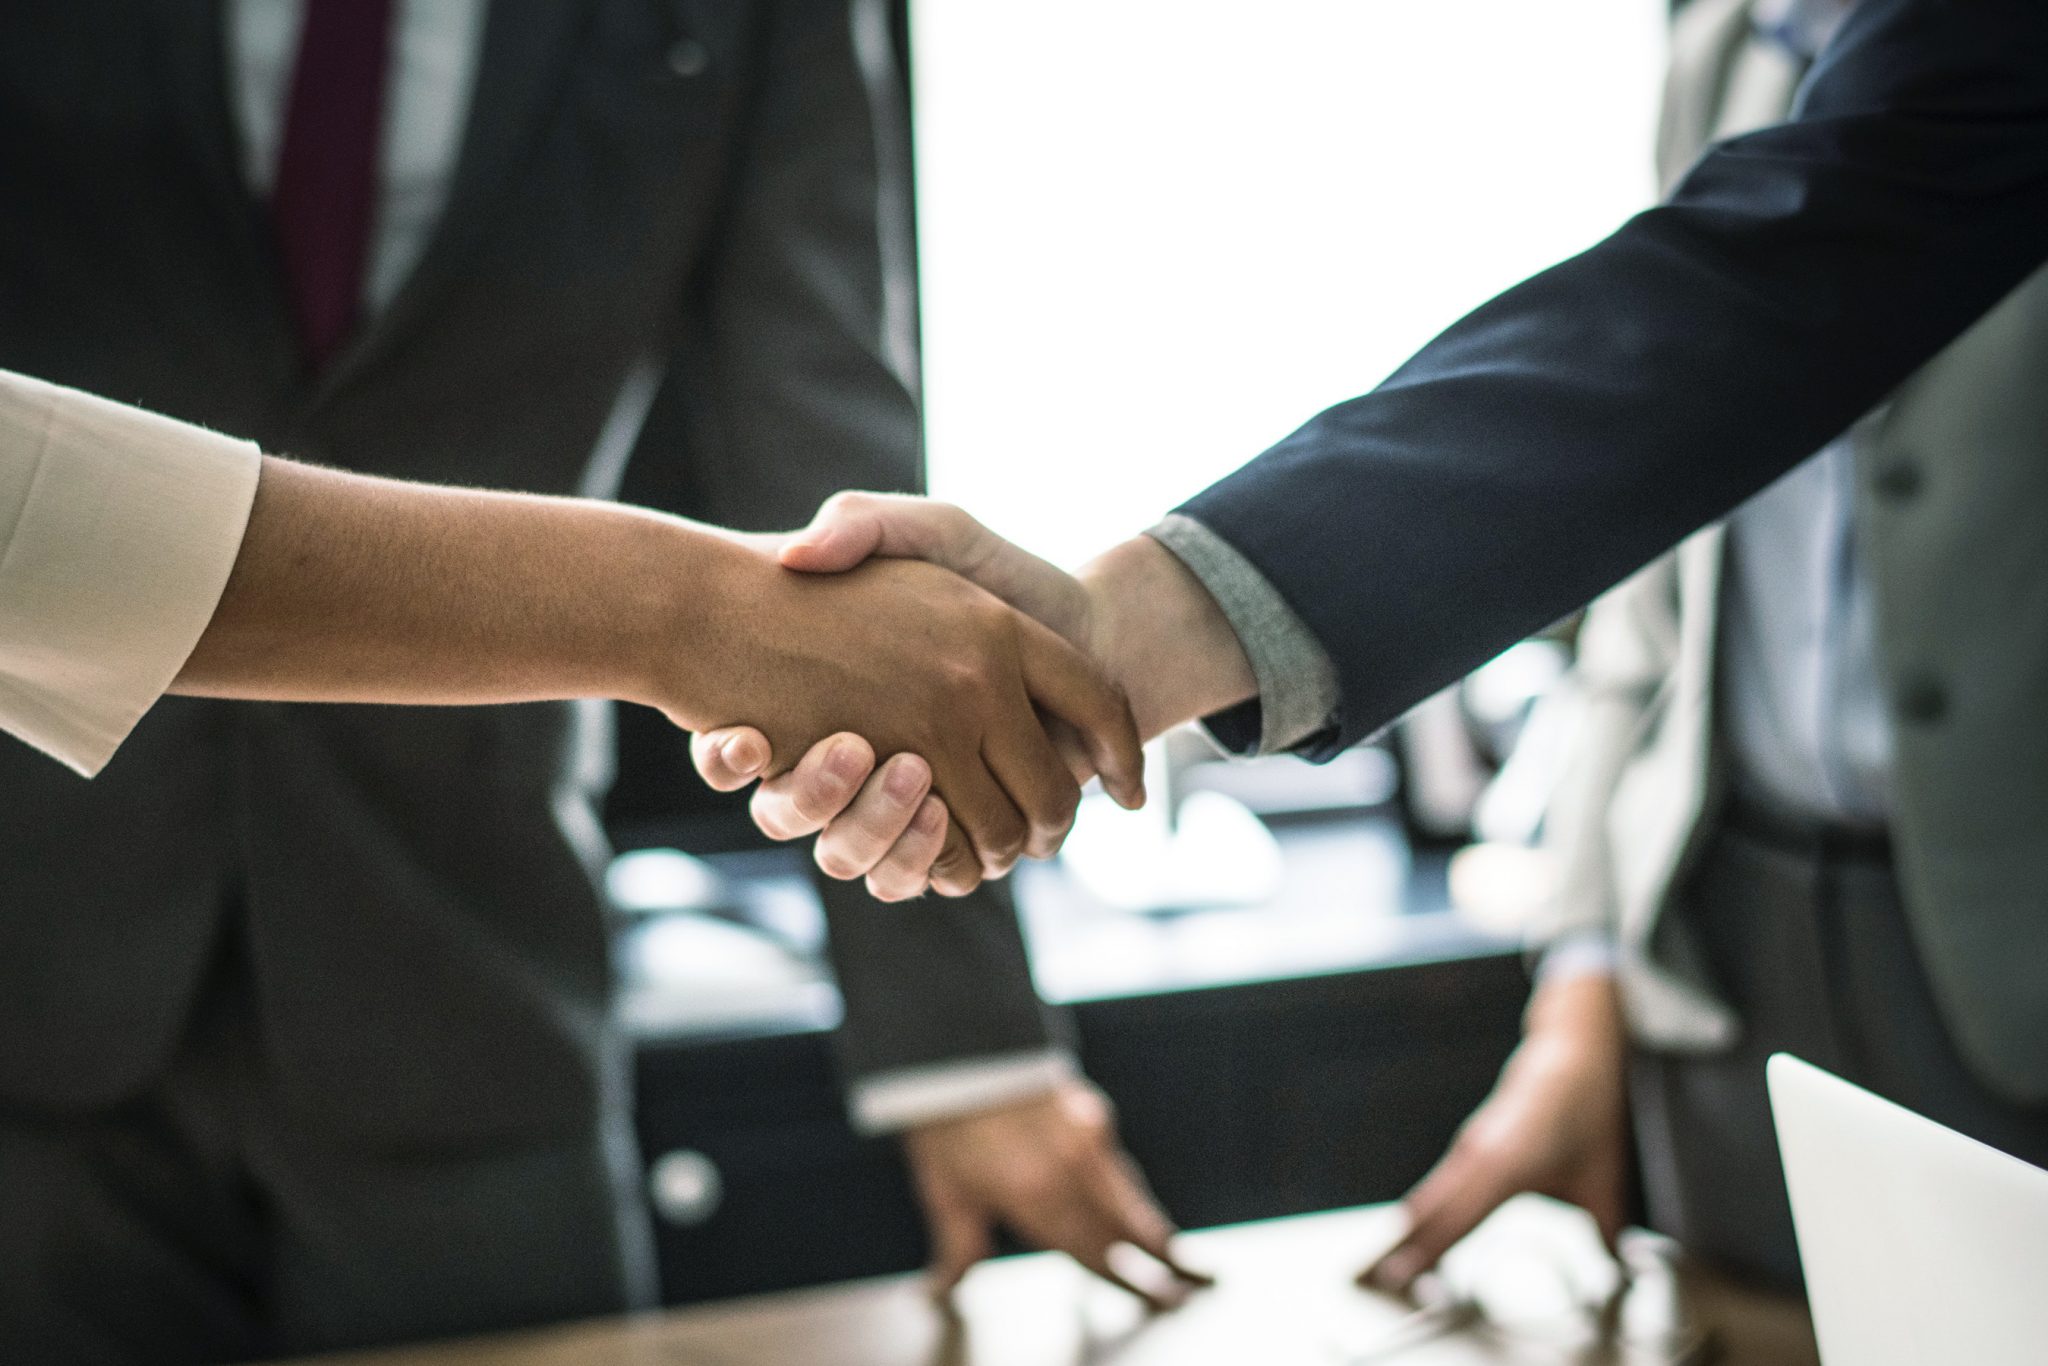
(738,753)
(906,780)
(843,762)
(931,818)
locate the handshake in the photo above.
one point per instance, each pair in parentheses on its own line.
(928,699)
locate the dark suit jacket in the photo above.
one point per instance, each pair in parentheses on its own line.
(1564,433)
(414,888)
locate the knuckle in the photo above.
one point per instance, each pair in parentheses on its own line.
(1095,1129)
(817,798)
(1009,836)
(1065,809)
(810,808)
(873,832)
(965,675)
(954,863)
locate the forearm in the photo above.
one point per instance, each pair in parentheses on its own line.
(1163,637)
(1563,434)
(355,589)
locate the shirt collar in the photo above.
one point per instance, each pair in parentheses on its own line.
(1801,27)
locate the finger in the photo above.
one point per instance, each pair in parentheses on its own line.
(1031,771)
(1139,1221)
(960,1238)
(1451,1202)
(1073,750)
(957,869)
(984,813)
(1093,1252)
(730,757)
(823,784)
(858,838)
(906,870)
(852,527)
(1066,684)
(1076,1223)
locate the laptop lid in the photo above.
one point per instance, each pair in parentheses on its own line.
(1919,1245)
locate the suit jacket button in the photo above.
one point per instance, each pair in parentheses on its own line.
(1922,699)
(687,57)
(1898,480)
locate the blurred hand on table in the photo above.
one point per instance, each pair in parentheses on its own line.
(1556,1124)
(1051,1171)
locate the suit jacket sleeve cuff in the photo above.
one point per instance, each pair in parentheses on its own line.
(890,1102)
(1297,702)
(118,529)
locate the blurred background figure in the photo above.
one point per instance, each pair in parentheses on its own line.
(1804,802)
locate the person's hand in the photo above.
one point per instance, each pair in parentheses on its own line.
(1051,1171)
(1154,629)
(852,528)
(1556,1124)
(887,827)
(917,661)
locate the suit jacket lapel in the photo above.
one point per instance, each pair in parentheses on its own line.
(529,47)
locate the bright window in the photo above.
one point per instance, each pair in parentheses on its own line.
(1156,235)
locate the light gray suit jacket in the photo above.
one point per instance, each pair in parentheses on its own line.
(1953,519)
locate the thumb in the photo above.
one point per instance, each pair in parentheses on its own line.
(852,527)
(838,538)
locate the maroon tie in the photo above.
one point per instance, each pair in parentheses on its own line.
(326,194)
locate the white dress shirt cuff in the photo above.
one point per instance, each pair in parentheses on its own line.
(890,1102)
(118,529)
(1298,690)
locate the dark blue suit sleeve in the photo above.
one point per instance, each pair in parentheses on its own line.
(1567,432)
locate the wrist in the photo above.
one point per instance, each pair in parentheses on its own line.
(687,620)
(1576,1021)
(1161,636)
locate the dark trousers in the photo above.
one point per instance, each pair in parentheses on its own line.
(1805,936)
(202,1222)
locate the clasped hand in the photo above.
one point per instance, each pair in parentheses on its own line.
(990,721)
(1145,625)
(912,812)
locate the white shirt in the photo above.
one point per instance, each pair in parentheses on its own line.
(118,529)
(435,46)
(1808,729)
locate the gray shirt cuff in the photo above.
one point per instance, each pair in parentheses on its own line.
(1297,680)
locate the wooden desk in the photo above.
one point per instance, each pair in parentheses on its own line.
(1285,1297)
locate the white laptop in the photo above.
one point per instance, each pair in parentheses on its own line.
(1921,1247)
